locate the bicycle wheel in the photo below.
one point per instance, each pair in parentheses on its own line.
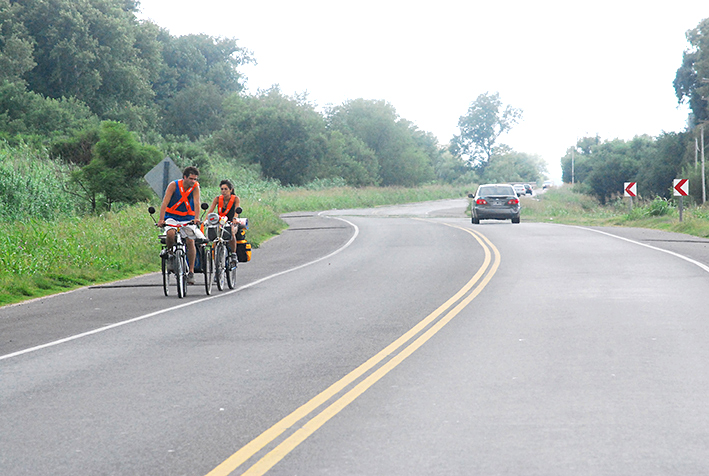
(180,273)
(208,267)
(230,273)
(219,261)
(165,276)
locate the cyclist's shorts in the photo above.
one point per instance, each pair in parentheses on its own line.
(189,231)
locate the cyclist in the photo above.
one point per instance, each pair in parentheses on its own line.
(226,203)
(178,207)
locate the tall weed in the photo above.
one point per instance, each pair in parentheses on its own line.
(32,185)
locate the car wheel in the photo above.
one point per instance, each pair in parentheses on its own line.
(476,221)
(515,220)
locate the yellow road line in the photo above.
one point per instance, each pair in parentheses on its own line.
(278,453)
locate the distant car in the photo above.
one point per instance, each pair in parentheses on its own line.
(495,202)
(547,184)
(528,189)
(519,189)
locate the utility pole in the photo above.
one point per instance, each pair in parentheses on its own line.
(704,177)
(572,164)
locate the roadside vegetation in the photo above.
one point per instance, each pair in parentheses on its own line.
(52,244)
(77,137)
(568,206)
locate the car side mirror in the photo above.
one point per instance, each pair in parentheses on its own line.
(470,195)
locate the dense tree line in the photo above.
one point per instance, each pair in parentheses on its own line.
(601,167)
(108,95)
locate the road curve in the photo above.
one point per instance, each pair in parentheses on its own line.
(499,349)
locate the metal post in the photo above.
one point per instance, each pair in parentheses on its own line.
(680,208)
(165,175)
(630,209)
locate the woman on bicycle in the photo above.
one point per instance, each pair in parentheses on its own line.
(226,203)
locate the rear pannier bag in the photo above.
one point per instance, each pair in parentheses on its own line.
(243,247)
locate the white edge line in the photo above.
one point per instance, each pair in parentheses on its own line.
(677,255)
(180,306)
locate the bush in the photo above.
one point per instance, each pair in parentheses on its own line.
(659,207)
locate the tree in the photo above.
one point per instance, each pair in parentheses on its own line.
(16,46)
(580,153)
(511,166)
(404,153)
(87,50)
(351,159)
(612,164)
(284,135)
(688,83)
(195,111)
(118,166)
(480,128)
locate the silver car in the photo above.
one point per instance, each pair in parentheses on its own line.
(495,202)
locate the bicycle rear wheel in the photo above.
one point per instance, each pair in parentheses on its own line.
(180,273)
(219,262)
(208,267)
(165,276)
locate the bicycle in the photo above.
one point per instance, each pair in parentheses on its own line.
(174,260)
(219,232)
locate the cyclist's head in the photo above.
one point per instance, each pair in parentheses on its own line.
(225,185)
(190,171)
(190,174)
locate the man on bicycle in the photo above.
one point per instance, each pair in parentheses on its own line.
(179,207)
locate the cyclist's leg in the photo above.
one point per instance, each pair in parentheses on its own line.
(191,253)
(170,237)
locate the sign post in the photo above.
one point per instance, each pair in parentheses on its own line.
(680,188)
(630,190)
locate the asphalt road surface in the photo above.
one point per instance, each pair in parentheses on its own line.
(390,341)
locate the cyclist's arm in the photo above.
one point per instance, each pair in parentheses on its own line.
(214,204)
(197,203)
(166,199)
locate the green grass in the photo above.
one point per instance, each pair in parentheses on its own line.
(563,205)
(41,257)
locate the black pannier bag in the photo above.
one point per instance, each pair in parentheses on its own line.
(243,247)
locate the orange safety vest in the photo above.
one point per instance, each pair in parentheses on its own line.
(185,198)
(223,210)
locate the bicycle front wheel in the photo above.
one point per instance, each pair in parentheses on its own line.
(208,266)
(219,262)
(165,276)
(180,273)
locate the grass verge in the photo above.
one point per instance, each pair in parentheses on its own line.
(43,257)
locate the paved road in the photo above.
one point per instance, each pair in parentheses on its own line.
(543,349)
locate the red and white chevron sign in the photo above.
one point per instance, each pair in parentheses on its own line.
(631,189)
(680,187)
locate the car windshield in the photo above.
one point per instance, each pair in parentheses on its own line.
(495,190)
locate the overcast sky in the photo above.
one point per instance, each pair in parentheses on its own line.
(574,68)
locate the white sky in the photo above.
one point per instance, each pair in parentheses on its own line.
(574,68)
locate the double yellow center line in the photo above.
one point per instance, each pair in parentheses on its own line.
(463,297)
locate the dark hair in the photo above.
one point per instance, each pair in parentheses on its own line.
(190,171)
(228,184)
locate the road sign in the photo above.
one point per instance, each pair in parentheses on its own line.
(631,189)
(680,187)
(162,174)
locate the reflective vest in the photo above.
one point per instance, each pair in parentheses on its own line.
(223,211)
(181,206)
